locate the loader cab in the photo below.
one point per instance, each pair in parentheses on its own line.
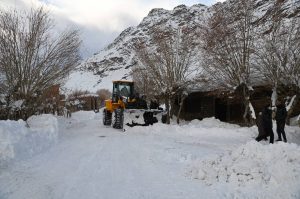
(122,90)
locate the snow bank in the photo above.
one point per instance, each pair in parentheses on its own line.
(11,132)
(185,127)
(17,141)
(211,123)
(243,169)
(196,128)
(273,171)
(295,121)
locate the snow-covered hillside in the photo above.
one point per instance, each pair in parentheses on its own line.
(116,60)
(198,159)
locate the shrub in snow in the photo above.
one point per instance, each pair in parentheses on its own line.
(17,141)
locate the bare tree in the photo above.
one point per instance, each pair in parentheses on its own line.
(104,94)
(278,53)
(277,48)
(167,66)
(228,45)
(32,58)
(291,74)
(143,84)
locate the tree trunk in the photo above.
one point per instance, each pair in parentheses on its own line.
(167,102)
(246,111)
(172,107)
(290,111)
(274,95)
(246,105)
(183,97)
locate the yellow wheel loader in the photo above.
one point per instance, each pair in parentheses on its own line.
(126,107)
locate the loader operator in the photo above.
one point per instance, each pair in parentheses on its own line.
(124,92)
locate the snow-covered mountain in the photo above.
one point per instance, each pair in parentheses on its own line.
(116,60)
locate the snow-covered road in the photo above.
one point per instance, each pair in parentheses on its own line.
(92,161)
(97,162)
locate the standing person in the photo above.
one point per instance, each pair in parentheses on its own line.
(266,124)
(261,132)
(154,104)
(280,118)
(142,103)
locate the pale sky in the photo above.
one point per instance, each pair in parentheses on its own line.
(100,21)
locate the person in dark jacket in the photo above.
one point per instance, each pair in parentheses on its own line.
(261,132)
(154,104)
(280,118)
(265,125)
(142,103)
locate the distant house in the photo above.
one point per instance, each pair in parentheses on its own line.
(85,102)
(224,105)
(199,105)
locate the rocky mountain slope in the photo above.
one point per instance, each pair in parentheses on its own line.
(116,60)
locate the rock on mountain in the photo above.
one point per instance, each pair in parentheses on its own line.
(116,60)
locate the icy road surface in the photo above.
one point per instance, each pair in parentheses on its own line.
(91,161)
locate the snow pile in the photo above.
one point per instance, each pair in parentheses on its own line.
(38,122)
(295,121)
(17,141)
(211,123)
(274,167)
(185,126)
(11,132)
(210,127)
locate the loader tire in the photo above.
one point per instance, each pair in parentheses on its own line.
(118,119)
(107,117)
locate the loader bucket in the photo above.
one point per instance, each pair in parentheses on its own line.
(141,117)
